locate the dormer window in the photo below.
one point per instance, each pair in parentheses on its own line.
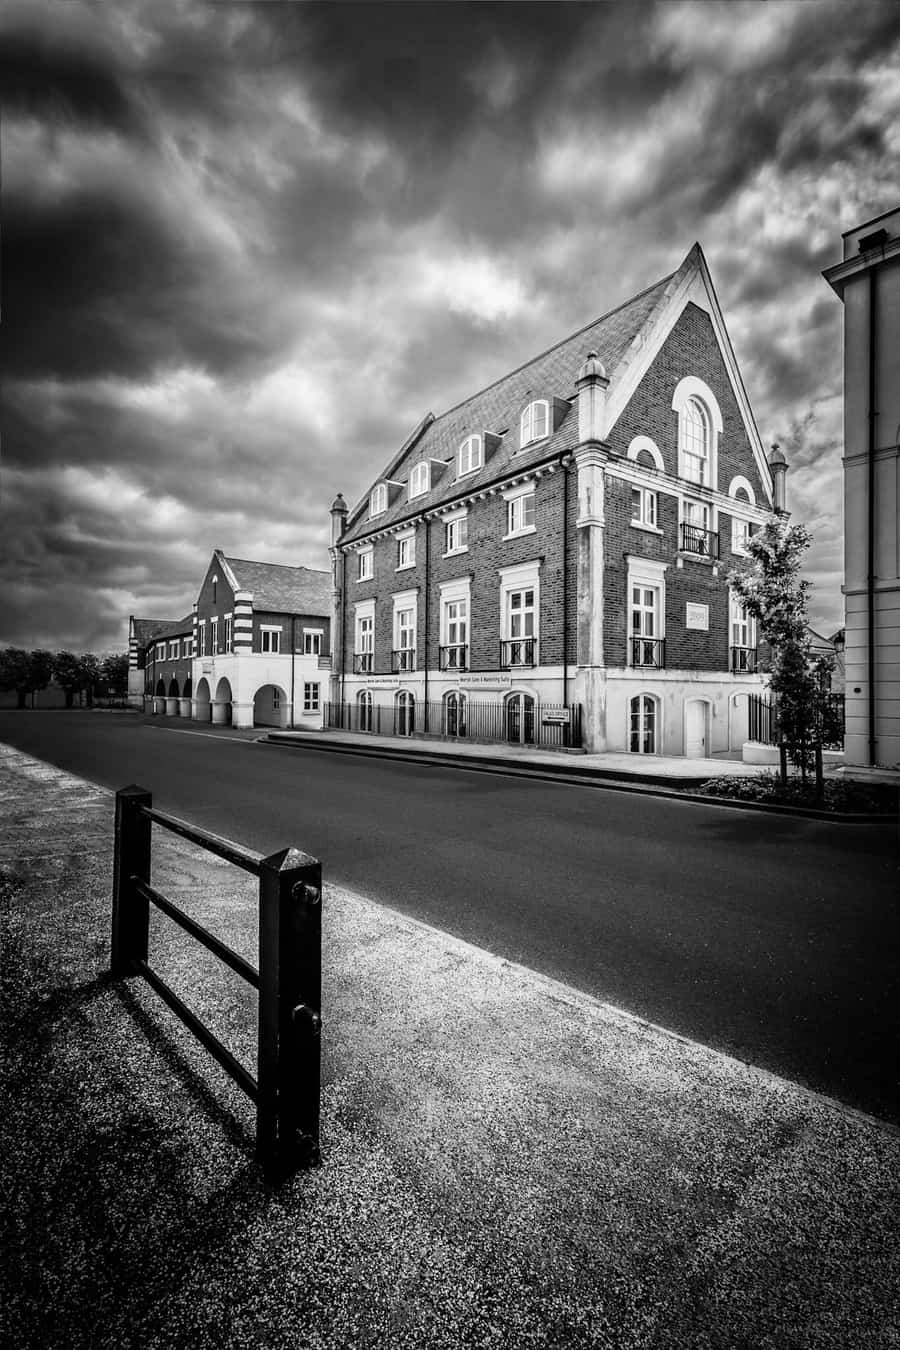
(420,479)
(535,422)
(378,500)
(471,455)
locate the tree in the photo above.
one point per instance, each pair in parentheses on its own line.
(26,672)
(114,670)
(771,589)
(90,674)
(68,674)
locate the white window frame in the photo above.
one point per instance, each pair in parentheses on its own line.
(451,593)
(456,532)
(406,603)
(419,479)
(313,638)
(708,513)
(522,577)
(364,631)
(378,500)
(173,650)
(656,701)
(201,628)
(366,567)
(529,423)
(276,700)
(648,574)
(229,633)
(692,389)
(739,619)
(312,691)
(407,537)
(741,533)
(647,517)
(515,511)
(214,635)
(270,639)
(471,455)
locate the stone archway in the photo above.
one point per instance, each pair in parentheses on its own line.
(221,708)
(270,706)
(184,703)
(173,707)
(201,703)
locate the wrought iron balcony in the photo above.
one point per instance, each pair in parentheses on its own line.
(648,652)
(744,659)
(704,543)
(455,656)
(363,663)
(403,659)
(517,652)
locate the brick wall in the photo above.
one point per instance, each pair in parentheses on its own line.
(487,553)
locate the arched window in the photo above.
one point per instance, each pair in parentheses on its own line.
(378,500)
(535,422)
(455,714)
(405,713)
(471,455)
(364,710)
(693,428)
(419,479)
(519,710)
(643,724)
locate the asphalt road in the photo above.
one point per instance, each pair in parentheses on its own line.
(770,937)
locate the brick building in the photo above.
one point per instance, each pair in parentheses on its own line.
(254,651)
(546,560)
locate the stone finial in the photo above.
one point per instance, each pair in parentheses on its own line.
(778,466)
(592,368)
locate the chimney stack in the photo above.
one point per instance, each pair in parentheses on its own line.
(338,518)
(778,467)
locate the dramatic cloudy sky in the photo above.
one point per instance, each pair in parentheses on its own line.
(247,247)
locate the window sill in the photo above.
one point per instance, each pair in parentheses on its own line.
(360,580)
(455,552)
(704,558)
(518,534)
(529,445)
(649,529)
(404,567)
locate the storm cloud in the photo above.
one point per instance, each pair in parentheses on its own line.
(247,247)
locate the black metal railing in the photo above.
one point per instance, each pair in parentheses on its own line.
(826,724)
(363,663)
(517,652)
(743,660)
(648,652)
(695,539)
(763,723)
(403,659)
(455,656)
(518,720)
(286,1089)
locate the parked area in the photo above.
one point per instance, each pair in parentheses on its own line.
(505,1162)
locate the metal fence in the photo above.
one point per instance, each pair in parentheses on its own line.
(289,979)
(826,727)
(519,720)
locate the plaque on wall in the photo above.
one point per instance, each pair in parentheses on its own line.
(697,616)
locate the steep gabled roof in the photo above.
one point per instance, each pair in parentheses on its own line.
(497,409)
(292,590)
(149,630)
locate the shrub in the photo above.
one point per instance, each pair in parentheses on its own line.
(840,794)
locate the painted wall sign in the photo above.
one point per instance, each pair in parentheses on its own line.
(697,616)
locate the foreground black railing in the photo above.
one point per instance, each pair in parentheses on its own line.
(825,726)
(289,980)
(519,720)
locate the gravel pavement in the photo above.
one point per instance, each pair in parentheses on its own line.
(506,1161)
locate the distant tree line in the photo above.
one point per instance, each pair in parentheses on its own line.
(84,675)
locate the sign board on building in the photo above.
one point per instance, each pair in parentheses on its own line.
(555,715)
(697,616)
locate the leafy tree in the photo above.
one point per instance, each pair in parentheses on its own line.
(114,670)
(68,674)
(772,591)
(26,672)
(90,675)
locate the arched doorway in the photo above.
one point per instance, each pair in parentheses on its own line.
(643,725)
(364,710)
(405,713)
(221,708)
(696,728)
(519,719)
(454,714)
(159,696)
(202,703)
(184,703)
(270,706)
(172,708)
